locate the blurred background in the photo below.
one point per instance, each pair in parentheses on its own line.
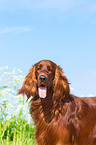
(63,31)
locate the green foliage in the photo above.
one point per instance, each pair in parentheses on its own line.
(16,127)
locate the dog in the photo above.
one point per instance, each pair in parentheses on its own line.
(60,117)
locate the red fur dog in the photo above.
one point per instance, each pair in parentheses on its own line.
(60,117)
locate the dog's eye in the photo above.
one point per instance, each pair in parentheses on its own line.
(50,69)
(38,68)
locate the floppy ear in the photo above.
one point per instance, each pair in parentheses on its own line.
(30,83)
(60,83)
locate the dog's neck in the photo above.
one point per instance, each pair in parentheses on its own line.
(51,107)
(47,106)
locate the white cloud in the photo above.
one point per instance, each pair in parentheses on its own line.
(15,30)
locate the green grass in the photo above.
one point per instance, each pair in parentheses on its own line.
(15,121)
(16,132)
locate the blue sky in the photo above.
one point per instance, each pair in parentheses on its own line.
(63,31)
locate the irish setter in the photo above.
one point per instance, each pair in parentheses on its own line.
(60,117)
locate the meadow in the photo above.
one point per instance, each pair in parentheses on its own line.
(16,126)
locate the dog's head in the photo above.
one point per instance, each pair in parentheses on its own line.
(42,76)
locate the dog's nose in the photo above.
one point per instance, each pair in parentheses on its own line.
(42,78)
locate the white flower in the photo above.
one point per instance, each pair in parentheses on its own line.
(20,107)
(4,99)
(10,105)
(71,89)
(19,71)
(6,68)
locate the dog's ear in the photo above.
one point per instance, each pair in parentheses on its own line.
(30,83)
(60,83)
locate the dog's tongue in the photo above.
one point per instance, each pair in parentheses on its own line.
(42,92)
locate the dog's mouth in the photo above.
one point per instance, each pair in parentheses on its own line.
(42,90)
